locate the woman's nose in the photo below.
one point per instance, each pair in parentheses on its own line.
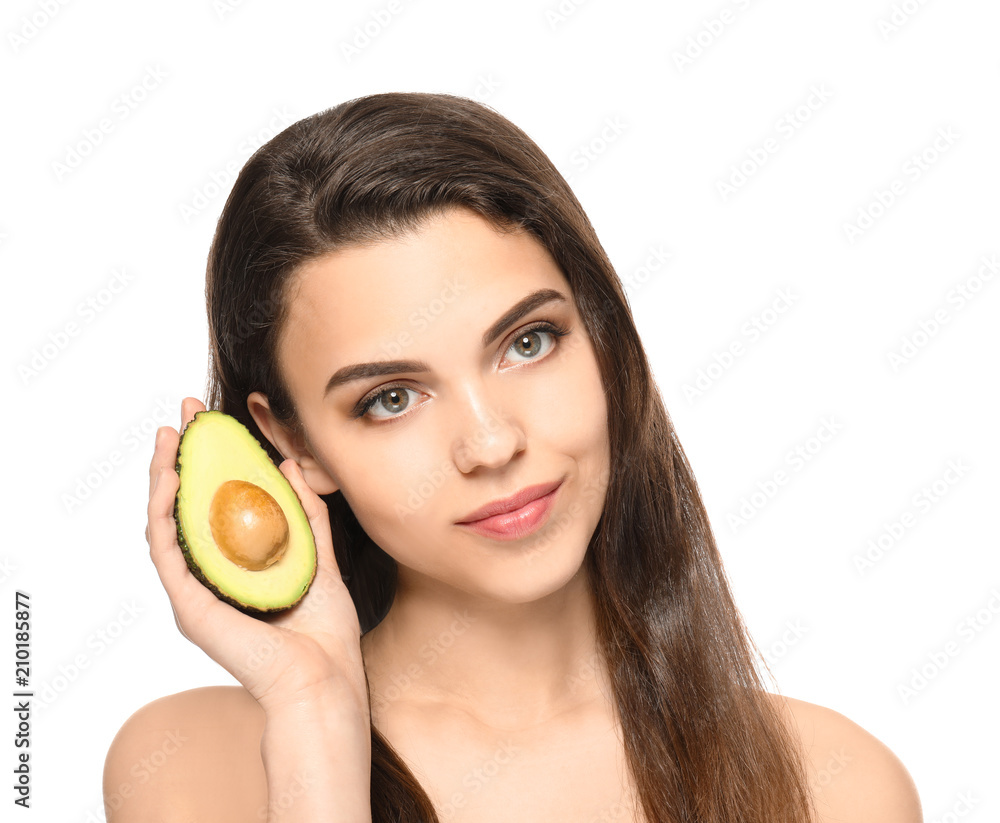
(486,432)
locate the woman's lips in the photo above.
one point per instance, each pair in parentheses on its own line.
(512,503)
(515,524)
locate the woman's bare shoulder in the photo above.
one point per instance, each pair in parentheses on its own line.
(194,755)
(853,775)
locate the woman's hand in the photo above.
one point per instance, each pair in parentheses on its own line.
(310,651)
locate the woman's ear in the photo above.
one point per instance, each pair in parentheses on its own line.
(289,443)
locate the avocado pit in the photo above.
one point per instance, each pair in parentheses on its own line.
(248,525)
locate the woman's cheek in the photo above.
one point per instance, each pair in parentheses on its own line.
(573,408)
(398,489)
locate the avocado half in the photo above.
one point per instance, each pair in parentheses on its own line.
(240,524)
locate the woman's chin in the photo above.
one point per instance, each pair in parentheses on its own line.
(525,575)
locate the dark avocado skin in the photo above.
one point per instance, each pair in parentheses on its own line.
(196,569)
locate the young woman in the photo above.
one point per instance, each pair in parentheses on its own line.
(410,309)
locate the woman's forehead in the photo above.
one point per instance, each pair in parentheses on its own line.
(437,287)
(455,263)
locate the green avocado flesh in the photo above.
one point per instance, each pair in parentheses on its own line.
(250,544)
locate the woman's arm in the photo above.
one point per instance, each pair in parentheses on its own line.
(317,755)
(304,695)
(212,754)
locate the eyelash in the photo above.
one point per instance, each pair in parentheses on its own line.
(366,403)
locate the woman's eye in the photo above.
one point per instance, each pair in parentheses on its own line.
(394,400)
(528,340)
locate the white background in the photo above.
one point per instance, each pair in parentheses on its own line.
(221,79)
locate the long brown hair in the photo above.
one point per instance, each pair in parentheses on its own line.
(702,736)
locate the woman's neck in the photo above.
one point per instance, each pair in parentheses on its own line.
(510,666)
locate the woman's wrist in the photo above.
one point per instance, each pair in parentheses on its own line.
(316,751)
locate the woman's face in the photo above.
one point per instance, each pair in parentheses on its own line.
(500,403)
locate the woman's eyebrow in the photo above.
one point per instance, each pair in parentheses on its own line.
(361,371)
